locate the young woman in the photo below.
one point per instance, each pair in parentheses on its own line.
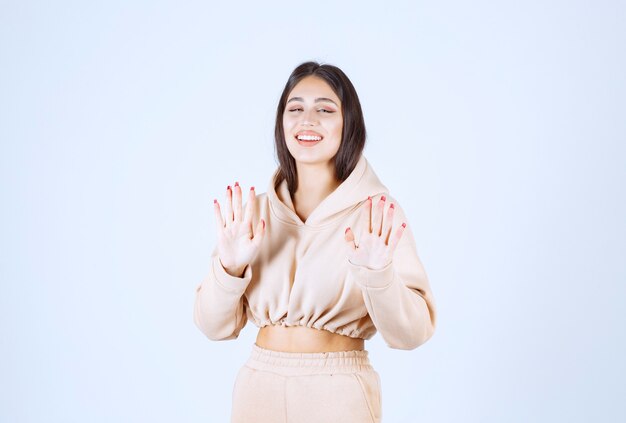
(320,262)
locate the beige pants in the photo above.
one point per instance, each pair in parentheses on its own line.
(285,387)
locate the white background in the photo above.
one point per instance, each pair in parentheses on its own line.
(499,126)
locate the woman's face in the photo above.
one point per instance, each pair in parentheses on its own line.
(313,111)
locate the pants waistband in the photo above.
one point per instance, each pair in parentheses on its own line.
(296,363)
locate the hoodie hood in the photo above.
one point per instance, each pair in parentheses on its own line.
(361,183)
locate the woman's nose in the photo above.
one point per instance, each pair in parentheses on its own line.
(308,118)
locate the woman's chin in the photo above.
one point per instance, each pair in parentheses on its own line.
(312,159)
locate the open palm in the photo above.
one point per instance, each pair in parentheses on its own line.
(376,244)
(237,243)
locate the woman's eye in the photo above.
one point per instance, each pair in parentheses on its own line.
(320,110)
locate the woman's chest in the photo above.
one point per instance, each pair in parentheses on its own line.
(306,268)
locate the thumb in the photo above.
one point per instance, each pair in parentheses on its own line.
(349,237)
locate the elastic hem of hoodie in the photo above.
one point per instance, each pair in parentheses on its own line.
(352,334)
(306,363)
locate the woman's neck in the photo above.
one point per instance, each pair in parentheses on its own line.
(315,182)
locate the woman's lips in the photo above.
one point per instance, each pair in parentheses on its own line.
(307,143)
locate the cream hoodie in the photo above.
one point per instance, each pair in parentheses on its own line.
(302,275)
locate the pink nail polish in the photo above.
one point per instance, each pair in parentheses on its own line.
(391,206)
(228,187)
(383,198)
(346,231)
(404,225)
(236,184)
(251,188)
(369,198)
(214,201)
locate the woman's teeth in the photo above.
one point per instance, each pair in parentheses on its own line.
(308,138)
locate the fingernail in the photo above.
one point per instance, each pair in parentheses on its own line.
(228,187)
(214,201)
(251,188)
(369,198)
(404,225)
(346,231)
(236,184)
(391,206)
(383,198)
(263,222)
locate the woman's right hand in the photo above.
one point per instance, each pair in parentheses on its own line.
(237,244)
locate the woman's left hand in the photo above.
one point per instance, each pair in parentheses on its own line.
(376,242)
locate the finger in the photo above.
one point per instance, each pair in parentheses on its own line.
(387,223)
(396,238)
(349,237)
(237,203)
(365,225)
(377,216)
(248,217)
(259,233)
(229,207)
(219,221)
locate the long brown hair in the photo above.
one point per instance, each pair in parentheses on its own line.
(353,133)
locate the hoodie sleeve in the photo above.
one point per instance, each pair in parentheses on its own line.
(220,307)
(398,297)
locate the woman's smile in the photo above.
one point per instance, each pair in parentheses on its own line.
(308,138)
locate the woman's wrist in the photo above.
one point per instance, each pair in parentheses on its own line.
(236,272)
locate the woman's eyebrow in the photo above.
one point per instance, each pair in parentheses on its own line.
(317,100)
